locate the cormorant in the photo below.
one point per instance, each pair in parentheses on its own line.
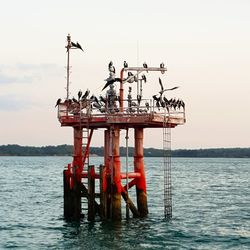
(111,67)
(162,89)
(79,94)
(145,65)
(102,99)
(125,64)
(86,94)
(74,100)
(58,102)
(111,82)
(77,45)
(144,78)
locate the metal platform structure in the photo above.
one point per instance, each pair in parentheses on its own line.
(115,115)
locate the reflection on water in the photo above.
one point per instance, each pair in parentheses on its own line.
(210,208)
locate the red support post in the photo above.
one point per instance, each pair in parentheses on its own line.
(141,191)
(116,175)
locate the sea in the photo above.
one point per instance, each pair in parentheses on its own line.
(211,207)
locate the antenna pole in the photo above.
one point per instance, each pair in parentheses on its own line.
(68,49)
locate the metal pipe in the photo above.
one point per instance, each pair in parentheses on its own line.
(121,91)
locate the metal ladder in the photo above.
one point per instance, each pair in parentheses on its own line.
(167,169)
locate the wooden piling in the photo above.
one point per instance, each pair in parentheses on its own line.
(72,199)
(103,192)
(91,192)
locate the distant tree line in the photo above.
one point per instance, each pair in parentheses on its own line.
(67,150)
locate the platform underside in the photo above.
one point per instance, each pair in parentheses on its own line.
(150,120)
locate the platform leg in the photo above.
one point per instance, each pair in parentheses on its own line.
(91,192)
(72,199)
(116,175)
(141,191)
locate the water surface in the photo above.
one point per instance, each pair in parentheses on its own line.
(211,207)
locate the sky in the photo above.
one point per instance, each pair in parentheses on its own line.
(204,44)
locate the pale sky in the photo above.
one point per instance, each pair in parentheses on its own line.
(204,44)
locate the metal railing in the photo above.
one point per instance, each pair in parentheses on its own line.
(132,108)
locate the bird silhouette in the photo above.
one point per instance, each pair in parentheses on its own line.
(162,89)
(79,94)
(125,64)
(58,102)
(111,67)
(74,100)
(162,67)
(145,66)
(85,95)
(77,46)
(144,78)
(111,82)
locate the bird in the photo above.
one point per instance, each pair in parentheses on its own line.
(111,67)
(157,99)
(74,100)
(130,77)
(147,105)
(102,99)
(79,94)
(77,46)
(162,89)
(86,94)
(93,98)
(58,102)
(111,82)
(125,64)
(139,99)
(145,66)
(162,67)
(144,78)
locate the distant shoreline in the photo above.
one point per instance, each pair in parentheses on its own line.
(67,150)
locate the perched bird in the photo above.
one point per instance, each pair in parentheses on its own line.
(111,82)
(79,94)
(102,99)
(162,66)
(162,89)
(76,45)
(111,67)
(86,94)
(139,99)
(147,105)
(58,102)
(145,66)
(157,99)
(93,98)
(74,100)
(144,78)
(125,64)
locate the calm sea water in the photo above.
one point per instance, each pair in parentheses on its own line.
(211,208)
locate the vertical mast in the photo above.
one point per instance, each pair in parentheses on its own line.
(68,49)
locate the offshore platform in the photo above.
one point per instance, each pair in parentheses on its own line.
(114,113)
